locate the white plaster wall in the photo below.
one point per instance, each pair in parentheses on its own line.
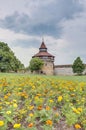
(65,71)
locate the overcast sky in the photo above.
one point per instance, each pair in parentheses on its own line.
(62,23)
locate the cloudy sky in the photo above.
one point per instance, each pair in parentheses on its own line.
(62,23)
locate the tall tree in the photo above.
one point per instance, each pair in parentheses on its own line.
(36,64)
(78,66)
(8,61)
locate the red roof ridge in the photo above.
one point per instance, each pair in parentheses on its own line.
(39,54)
(43,51)
(43,45)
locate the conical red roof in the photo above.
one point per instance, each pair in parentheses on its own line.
(43,51)
(43,46)
(41,54)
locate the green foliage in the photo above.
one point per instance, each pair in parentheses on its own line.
(71,118)
(45,127)
(32,128)
(8,61)
(35,64)
(78,66)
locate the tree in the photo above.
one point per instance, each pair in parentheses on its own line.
(8,61)
(78,66)
(36,64)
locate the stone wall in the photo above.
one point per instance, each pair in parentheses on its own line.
(64,70)
(48,68)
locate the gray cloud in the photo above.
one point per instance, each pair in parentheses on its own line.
(27,43)
(61,22)
(74,32)
(45,17)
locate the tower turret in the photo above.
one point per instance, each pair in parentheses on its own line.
(48,59)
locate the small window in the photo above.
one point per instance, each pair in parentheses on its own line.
(44,57)
(43,49)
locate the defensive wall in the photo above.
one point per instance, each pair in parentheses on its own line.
(65,70)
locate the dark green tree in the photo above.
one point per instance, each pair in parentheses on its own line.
(36,64)
(8,61)
(78,66)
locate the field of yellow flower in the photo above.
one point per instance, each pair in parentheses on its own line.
(42,103)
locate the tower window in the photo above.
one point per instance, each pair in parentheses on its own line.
(43,49)
(44,57)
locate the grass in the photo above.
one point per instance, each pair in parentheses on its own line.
(72,78)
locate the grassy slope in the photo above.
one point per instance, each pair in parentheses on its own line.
(74,78)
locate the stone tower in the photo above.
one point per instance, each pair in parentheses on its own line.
(48,67)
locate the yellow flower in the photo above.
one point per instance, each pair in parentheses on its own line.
(22,111)
(14,101)
(24,94)
(59,99)
(51,101)
(49,122)
(47,108)
(77,126)
(33,87)
(72,95)
(31,114)
(15,105)
(38,94)
(8,112)
(1,123)
(76,110)
(20,88)
(79,109)
(36,97)
(0,107)
(31,107)
(6,97)
(17,126)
